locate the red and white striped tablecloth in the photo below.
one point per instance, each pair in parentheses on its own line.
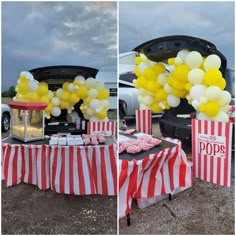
(65,169)
(156,175)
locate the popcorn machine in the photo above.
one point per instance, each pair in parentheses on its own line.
(27,120)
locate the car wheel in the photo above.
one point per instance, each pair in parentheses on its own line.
(5,122)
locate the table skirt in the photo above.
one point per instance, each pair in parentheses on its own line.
(64,169)
(156,175)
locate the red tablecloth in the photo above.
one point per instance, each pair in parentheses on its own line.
(155,175)
(64,169)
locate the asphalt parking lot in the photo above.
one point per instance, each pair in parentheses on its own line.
(203,209)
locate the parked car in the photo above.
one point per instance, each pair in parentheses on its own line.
(128,95)
(55,76)
(6,117)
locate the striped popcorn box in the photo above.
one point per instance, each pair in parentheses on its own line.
(212,142)
(102,127)
(144,121)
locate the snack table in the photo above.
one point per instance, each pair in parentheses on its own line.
(147,175)
(76,170)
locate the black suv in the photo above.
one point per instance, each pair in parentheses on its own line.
(55,76)
(159,50)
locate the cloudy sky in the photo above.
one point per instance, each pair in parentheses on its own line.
(213,21)
(37,34)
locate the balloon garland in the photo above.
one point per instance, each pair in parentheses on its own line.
(93,93)
(190,76)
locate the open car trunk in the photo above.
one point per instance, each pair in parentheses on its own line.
(55,76)
(160,50)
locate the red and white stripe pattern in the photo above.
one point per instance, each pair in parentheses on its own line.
(144,121)
(64,169)
(213,164)
(107,127)
(26,163)
(155,175)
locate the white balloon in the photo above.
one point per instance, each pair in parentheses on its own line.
(71,87)
(162,78)
(144,107)
(225,98)
(225,108)
(80,78)
(148,100)
(195,104)
(221,117)
(27,74)
(212,61)
(143,56)
(90,82)
(104,103)
(183,53)
(168,89)
(213,93)
(33,85)
(90,112)
(202,116)
(196,76)
(94,104)
(93,119)
(92,93)
(142,91)
(50,94)
(178,60)
(55,101)
(193,59)
(59,92)
(203,100)
(173,101)
(56,111)
(142,66)
(197,91)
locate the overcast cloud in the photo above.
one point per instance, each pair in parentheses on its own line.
(37,34)
(213,21)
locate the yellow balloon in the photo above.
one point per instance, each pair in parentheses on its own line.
(171,61)
(212,77)
(65,96)
(212,108)
(137,72)
(150,73)
(103,94)
(159,68)
(153,86)
(64,104)
(138,60)
(177,84)
(82,91)
(74,98)
(161,95)
(201,108)
(23,88)
(88,100)
(188,86)
(42,90)
(156,108)
(33,97)
(181,72)
(65,86)
(45,99)
(179,93)
(221,84)
(102,114)
(48,109)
